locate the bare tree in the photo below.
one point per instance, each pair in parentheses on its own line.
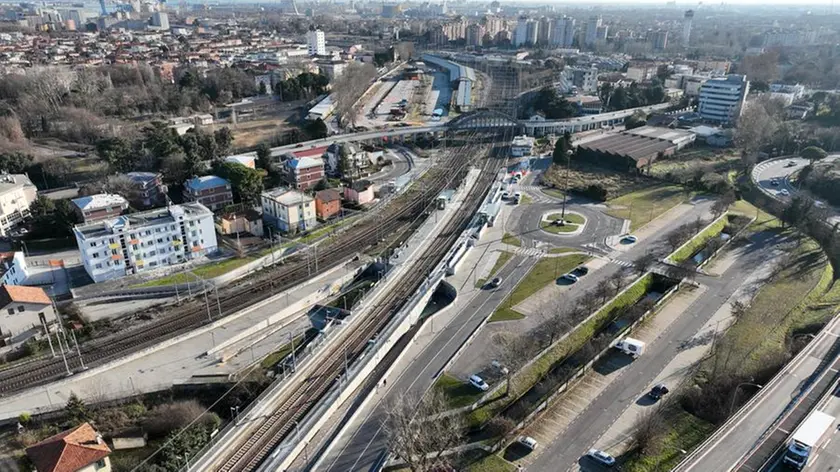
(755,128)
(348,88)
(617,279)
(722,204)
(644,262)
(512,349)
(419,431)
(604,290)
(650,430)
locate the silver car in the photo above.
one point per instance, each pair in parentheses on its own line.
(601,457)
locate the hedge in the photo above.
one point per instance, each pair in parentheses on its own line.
(699,240)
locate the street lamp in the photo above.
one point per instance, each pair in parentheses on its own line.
(566,182)
(735,394)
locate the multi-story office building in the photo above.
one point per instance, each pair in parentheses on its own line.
(144,241)
(100,206)
(545,30)
(288,211)
(686,33)
(315,42)
(520,35)
(16,195)
(722,99)
(659,40)
(494,25)
(161,20)
(211,191)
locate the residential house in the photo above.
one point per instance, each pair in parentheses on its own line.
(147,190)
(248,221)
(99,207)
(14,268)
(521,146)
(80,449)
(17,193)
(24,311)
(360,192)
(211,191)
(327,203)
(289,211)
(304,173)
(145,241)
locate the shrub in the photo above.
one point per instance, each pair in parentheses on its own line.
(167,418)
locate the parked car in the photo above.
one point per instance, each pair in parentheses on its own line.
(479,383)
(784,192)
(791,164)
(601,457)
(496,282)
(630,239)
(528,442)
(774,181)
(658,391)
(570,277)
(581,271)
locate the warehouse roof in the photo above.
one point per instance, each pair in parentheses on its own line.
(635,147)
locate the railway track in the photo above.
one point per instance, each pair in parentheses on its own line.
(299,400)
(242,295)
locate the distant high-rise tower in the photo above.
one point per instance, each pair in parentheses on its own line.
(315,42)
(102,10)
(161,20)
(686,37)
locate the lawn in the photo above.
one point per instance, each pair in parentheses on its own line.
(458,393)
(552,228)
(280,354)
(685,431)
(562,250)
(570,218)
(543,273)
(504,256)
(525,200)
(491,463)
(553,192)
(582,175)
(698,241)
(206,271)
(512,240)
(643,206)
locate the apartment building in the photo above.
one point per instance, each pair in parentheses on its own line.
(521,146)
(288,210)
(305,172)
(17,193)
(722,99)
(211,191)
(145,241)
(147,189)
(99,207)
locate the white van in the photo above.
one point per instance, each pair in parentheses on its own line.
(631,347)
(479,383)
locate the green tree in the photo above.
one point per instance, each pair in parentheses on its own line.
(160,140)
(15,163)
(264,156)
(636,120)
(224,140)
(813,153)
(117,153)
(246,182)
(76,409)
(316,129)
(561,147)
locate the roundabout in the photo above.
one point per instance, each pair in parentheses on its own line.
(570,224)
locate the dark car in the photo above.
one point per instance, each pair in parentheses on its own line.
(496,282)
(658,391)
(581,271)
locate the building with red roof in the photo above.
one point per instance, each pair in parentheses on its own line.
(80,449)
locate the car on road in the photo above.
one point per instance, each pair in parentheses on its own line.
(774,181)
(784,192)
(570,277)
(630,239)
(505,195)
(790,164)
(528,442)
(479,383)
(581,271)
(658,391)
(496,282)
(601,457)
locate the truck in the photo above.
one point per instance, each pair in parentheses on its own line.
(631,347)
(807,438)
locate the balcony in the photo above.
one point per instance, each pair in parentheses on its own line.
(114,246)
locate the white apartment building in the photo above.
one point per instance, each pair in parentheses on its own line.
(17,193)
(564,32)
(722,99)
(145,241)
(315,42)
(520,34)
(288,210)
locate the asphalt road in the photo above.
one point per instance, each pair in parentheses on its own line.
(764,173)
(827,457)
(567,450)
(365,445)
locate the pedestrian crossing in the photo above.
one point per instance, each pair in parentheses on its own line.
(529,252)
(621,263)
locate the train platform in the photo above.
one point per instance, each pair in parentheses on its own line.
(213,352)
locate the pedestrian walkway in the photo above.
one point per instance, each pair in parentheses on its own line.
(527,251)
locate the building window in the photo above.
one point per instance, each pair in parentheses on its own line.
(93,244)
(11,311)
(114,252)
(160,240)
(100,464)
(95,255)
(20,309)
(153,253)
(98,266)
(134,246)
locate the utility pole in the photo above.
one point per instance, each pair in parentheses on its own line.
(64,357)
(78,350)
(566,182)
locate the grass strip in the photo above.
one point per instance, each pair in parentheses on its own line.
(504,257)
(698,241)
(511,240)
(643,206)
(458,393)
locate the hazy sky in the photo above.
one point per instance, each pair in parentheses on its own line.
(684,3)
